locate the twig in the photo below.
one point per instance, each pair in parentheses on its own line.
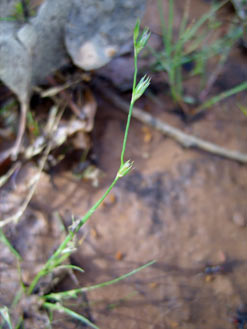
(15,218)
(65,96)
(4,178)
(184,139)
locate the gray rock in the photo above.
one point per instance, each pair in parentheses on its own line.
(90,32)
(239,219)
(15,60)
(107,25)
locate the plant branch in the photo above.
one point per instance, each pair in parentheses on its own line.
(186,140)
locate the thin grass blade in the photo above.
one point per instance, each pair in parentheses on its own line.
(163,24)
(4,311)
(191,31)
(70,267)
(9,245)
(74,292)
(170,28)
(225,94)
(62,309)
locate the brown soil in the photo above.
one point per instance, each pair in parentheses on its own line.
(184,208)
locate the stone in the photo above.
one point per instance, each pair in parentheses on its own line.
(239,219)
(88,32)
(15,60)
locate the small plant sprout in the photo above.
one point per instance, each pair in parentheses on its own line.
(5,315)
(125,169)
(141,88)
(69,245)
(4,240)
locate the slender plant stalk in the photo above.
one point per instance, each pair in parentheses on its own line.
(9,245)
(62,309)
(58,296)
(130,112)
(178,53)
(65,249)
(163,24)
(191,31)
(170,28)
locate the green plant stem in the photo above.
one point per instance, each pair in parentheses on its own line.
(55,257)
(7,19)
(130,110)
(9,245)
(163,24)
(174,54)
(64,250)
(191,31)
(19,323)
(170,28)
(178,54)
(74,292)
(97,204)
(45,269)
(60,308)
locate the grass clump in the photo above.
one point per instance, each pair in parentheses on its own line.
(21,12)
(53,301)
(195,43)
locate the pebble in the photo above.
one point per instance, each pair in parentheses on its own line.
(119,255)
(109,201)
(238,219)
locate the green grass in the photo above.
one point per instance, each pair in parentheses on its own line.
(53,301)
(191,44)
(21,12)
(60,296)
(13,251)
(210,102)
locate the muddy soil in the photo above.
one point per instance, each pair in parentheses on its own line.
(185,209)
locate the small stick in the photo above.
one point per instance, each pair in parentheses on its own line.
(182,138)
(66,97)
(14,150)
(21,129)
(35,179)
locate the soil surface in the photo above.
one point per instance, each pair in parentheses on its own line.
(186,209)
